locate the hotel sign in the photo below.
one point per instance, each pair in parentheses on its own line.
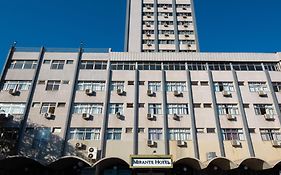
(151,161)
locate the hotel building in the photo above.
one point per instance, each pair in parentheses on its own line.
(94,111)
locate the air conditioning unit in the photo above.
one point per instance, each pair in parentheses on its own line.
(177,93)
(166,25)
(147,25)
(185,25)
(167,34)
(276,143)
(184,8)
(181,143)
(166,16)
(151,143)
(13,91)
(79,145)
(165,7)
(86,116)
(49,116)
(92,153)
(262,93)
(148,16)
(149,44)
(269,117)
(186,35)
(235,143)
(149,92)
(150,117)
(89,92)
(176,117)
(118,115)
(226,93)
(148,34)
(211,155)
(230,117)
(148,7)
(184,16)
(119,91)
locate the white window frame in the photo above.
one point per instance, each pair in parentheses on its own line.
(261,108)
(116,107)
(181,109)
(179,134)
(154,86)
(18,85)
(155,108)
(155,134)
(232,134)
(228,109)
(223,86)
(114,134)
(92,85)
(12,108)
(89,108)
(48,108)
(257,86)
(84,134)
(176,86)
(117,85)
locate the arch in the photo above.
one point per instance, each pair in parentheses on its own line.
(223,163)
(69,161)
(192,162)
(276,163)
(254,164)
(21,162)
(110,162)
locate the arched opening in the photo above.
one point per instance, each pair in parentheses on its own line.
(20,165)
(70,165)
(188,166)
(112,166)
(220,166)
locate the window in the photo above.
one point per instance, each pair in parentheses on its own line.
(61,105)
(19,85)
(232,134)
(123,65)
(196,66)
(41,82)
(48,108)
(200,130)
(115,108)
(179,134)
(276,86)
(154,133)
(197,105)
(211,130)
(53,85)
(92,85)
(149,65)
(140,130)
(42,137)
(270,134)
(84,133)
(204,83)
(223,86)
(46,61)
(23,64)
(247,66)
(141,83)
(97,65)
(117,85)
(272,66)
(141,105)
(129,130)
(114,133)
(261,109)
(57,64)
(80,108)
(69,61)
(12,108)
(174,66)
(8,139)
(154,109)
(177,109)
(207,105)
(154,86)
(130,105)
(176,86)
(257,86)
(228,109)
(131,82)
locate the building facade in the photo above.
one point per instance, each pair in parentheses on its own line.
(94,111)
(161,26)
(84,111)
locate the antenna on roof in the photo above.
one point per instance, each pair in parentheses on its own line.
(14,44)
(81,44)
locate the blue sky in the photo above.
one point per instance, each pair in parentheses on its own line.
(223,25)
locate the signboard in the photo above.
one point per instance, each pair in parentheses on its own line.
(151,161)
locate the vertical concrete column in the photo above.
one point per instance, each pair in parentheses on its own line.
(6,64)
(243,114)
(216,113)
(136,111)
(192,115)
(71,102)
(23,122)
(156,26)
(176,25)
(273,94)
(164,109)
(127,24)
(105,111)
